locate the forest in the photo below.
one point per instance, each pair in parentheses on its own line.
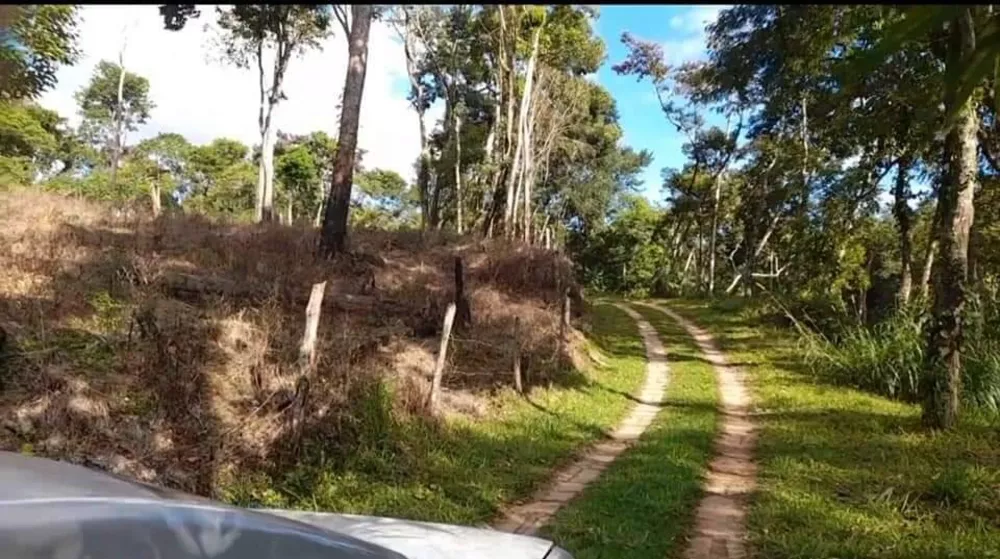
(847,196)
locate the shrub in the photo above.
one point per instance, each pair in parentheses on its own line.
(887,359)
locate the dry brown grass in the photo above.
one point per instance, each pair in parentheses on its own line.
(105,364)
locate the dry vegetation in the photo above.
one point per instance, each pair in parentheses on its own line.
(166,349)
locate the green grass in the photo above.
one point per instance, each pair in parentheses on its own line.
(643,504)
(846,474)
(461,471)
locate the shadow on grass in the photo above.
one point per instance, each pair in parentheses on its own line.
(847,474)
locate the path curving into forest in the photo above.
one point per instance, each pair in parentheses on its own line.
(720,528)
(571,480)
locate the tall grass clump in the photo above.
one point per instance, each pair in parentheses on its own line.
(887,358)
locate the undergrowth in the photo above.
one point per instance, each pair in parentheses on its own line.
(458,470)
(887,358)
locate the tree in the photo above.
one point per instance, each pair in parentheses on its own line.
(35,40)
(298,173)
(113,104)
(28,141)
(221,180)
(954,218)
(383,200)
(333,237)
(250,30)
(162,161)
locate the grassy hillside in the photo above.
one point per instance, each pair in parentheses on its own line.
(166,349)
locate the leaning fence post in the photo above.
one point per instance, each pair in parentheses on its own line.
(518,385)
(449,318)
(307,355)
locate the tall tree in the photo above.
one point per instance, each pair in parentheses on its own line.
(249,33)
(114,103)
(333,237)
(954,218)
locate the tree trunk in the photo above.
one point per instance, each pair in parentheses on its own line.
(265,176)
(715,229)
(925,280)
(333,238)
(412,70)
(457,130)
(116,153)
(521,120)
(154,194)
(529,170)
(424,174)
(943,367)
(903,214)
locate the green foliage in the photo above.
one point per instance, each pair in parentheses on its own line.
(35,39)
(98,100)
(384,200)
(626,256)
(291,28)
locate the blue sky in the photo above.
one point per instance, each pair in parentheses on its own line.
(224,103)
(680,29)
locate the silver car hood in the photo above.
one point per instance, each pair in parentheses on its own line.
(50,508)
(426,540)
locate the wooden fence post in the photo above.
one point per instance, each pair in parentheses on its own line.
(564,323)
(432,398)
(518,384)
(464,311)
(307,356)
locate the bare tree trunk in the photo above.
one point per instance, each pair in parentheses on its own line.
(266,174)
(529,170)
(154,194)
(747,274)
(715,229)
(333,238)
(903,214)
(424,174)
(943,366)
(457,130)
(522,119)
(318,218)
(116,153)
(423,171)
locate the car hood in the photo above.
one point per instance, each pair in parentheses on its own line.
(426,540)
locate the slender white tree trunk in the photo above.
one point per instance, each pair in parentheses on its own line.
(457,118)
(119,118)
(519,146)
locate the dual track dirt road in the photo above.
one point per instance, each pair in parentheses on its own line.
(719,530)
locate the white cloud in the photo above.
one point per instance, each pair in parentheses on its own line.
(203,100)
(690,24)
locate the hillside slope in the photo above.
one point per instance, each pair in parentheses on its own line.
(166,349)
